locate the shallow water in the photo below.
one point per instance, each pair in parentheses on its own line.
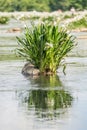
(50,103)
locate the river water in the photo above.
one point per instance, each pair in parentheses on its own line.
(42,103)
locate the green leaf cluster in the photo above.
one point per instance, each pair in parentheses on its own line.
(4,19)
(45,46)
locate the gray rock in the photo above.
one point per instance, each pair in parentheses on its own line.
(29,69)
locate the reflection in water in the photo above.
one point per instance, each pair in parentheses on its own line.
(46,81)
(48,100)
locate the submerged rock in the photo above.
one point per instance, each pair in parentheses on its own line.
(30,70)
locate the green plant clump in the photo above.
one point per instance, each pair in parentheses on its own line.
(4,19)
(68,16)
(81,23)
(49,18)
(45,46)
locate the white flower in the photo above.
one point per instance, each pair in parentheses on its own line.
(49,45)
(25,25)
(55,23)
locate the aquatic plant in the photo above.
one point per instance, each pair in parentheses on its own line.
(68,16)
(49,18)
(78,24)
(4,19)
(45,46)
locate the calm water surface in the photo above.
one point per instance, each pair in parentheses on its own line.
(42,103)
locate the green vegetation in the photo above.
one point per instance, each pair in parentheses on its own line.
(50,19)
(68,16)
(31,18)
(78,24)
(24,5)
(45,46)
(41,5)
(4,19)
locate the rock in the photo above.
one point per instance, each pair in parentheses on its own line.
(14,30)
(30,70)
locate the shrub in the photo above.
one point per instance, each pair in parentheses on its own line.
(4,19)
(45,46)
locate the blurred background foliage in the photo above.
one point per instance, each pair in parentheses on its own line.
(41,5)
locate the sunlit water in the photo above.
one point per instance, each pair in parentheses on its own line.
(42,103)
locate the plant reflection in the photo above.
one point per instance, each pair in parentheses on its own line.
(46,81)
(49,99)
